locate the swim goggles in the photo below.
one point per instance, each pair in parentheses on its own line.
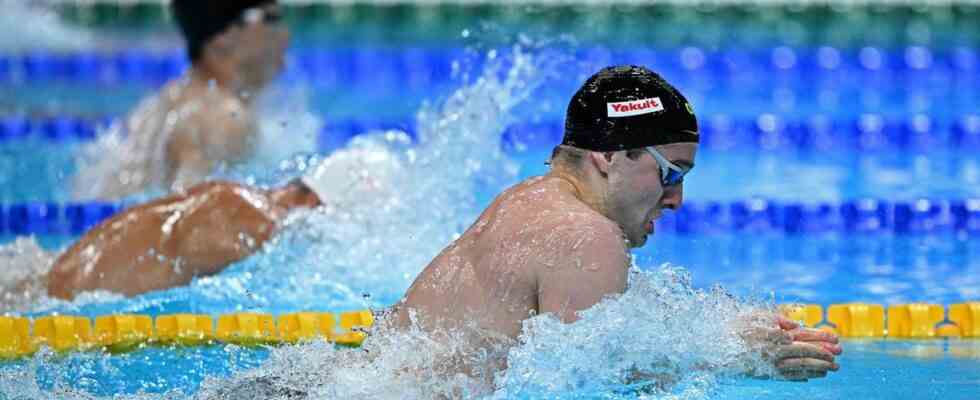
(255,15)
(670,173)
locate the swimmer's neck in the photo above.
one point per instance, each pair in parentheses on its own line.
(223,78)
(583,188)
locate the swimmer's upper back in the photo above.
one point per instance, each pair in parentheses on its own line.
(172,140)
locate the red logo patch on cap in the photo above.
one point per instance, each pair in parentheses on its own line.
(635,107)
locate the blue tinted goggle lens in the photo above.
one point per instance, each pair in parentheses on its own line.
(673,177)
(670,174)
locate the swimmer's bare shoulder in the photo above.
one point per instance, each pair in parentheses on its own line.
(213,126)
(582,255)
(168,241)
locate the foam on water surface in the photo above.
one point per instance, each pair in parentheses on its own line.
(22,280)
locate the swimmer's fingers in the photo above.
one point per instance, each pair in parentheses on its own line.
(768,336)
(786,324)
(804,368)
(833,348)
(813,335)
(803,350)
(823,339)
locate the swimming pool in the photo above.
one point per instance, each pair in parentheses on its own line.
(819,183)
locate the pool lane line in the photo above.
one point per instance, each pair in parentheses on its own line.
(22,336)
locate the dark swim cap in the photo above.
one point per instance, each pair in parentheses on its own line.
(628,107)
(200,20)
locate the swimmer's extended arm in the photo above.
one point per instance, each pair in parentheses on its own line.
(587,271)
(792,353)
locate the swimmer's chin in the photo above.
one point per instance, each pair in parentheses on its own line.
(649,229)
(637,241)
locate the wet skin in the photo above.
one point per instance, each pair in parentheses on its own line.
(559,244)
(170,241)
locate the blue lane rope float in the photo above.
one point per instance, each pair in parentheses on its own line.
(922,216)
(768,132)
(22,337)
(52,219)
(868,216)
(823,65)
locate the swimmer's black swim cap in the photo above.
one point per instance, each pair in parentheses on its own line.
(628,107)
(200,20)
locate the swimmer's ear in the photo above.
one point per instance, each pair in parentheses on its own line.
(601,161)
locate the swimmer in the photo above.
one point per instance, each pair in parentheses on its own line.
(172,240)
(559,243)
(204,118)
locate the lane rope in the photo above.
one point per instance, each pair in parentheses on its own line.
(22,336)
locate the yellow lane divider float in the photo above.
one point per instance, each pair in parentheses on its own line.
(902,321)
(119,333)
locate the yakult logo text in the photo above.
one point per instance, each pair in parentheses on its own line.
(636,107)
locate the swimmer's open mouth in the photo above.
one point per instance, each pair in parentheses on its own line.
(651,222)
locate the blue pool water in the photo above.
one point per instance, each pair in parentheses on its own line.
(827,175)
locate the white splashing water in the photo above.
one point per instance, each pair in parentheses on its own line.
(663,338)
(24,264)
(681,338)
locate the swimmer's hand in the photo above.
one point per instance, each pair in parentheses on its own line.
(796,353)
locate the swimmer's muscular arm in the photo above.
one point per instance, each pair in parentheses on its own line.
(584,273)
(164,243)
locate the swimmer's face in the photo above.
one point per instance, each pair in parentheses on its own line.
(636,196)
(261,40)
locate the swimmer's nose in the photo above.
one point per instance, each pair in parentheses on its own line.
(673,197)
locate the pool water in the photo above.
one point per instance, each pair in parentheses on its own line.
(481,109)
